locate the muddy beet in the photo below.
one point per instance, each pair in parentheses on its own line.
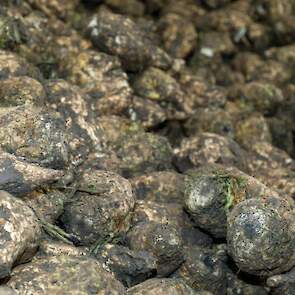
(147,147)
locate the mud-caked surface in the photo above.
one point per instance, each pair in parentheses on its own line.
(283,283)
(130,267)
(161,240)
(200,265)
(20,233)
(272,219)
(100,209)
(64,274)
(162,286)
(235,285)
(212,191)
(35,135)
(119,35)
(147,147)
(7,291)
(19,177)
(162,187)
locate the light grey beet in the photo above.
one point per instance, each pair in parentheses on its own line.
(213,190)
(261,237)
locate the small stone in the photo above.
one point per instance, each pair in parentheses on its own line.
(179,36)
(74,108)
(129,7)
(11,32)
(157,85)
(213,120)
(149,113)
(216,3)
(263,97)
(55,248)
(55,7)
(103,160)
(170,214)
(155,5)
(200,93)
(113,128)
(230,19)
(281,134)
(283,54)
(282,283)
(235,286)
(268,156)
(252,130)
(47,205)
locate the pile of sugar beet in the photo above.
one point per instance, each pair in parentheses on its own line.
(147,147)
